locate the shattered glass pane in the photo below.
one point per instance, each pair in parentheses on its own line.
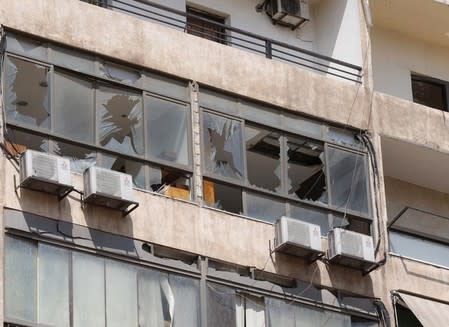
(263,158)
(349,189)
(170,182)
(186,292)
(119,73)
(168,125)
(80,158)
(306,176)
(120,120)
(222,139)
(27,93)
(264,207)
(311,215)
(131,167)
(223,196)
(74,107)
(18,141)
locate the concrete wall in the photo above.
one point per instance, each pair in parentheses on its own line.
(396,56)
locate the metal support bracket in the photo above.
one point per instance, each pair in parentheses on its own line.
(59,196)
(126,212)
(314,257)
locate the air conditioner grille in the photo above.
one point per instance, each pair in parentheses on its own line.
(292,7)
(351,244)
(44,166)
(108,183)
(298,232)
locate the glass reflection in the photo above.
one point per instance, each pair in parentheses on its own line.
(120,120)
(263,158)
(80,158)
(27,92)
(222,139)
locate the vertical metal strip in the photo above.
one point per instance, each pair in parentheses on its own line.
(196,141)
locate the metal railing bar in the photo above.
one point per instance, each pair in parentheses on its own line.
(316,62)
(145,10)
(318,69)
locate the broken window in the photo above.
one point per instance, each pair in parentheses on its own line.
(221,306)
(349,184)
(263,159)
(264,207)
(119,73)
(223,196)
(80,158)
(429,92)
(131,167)
(27,92)
(222,139)
(306,172)
(74,107)
(206,25)
(18,141)
(120,120)
(170,182)
(168,125)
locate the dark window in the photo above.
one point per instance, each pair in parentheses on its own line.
(206,25)
(100,3)
(223,196)
(429,92)
(406,318)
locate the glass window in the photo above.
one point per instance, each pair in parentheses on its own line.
(119,73)
(26,46)
(168,125)
(27,92)
(73,59)
(349,189)
(120,120)
(306,173)
(170,182)
(121,294)
(20,279)
(263,207)
(187,301)
(88,291)
(80,158)
(311,215)
(429,92)
(53,286)
(19,141)
(263,158)
(74,107)
(222,140)
(221,306)
(134,168)
(223,196)
(250,310)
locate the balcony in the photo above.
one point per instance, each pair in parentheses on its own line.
(216,28)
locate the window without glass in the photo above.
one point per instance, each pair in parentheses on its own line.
(222,151)
(263,158)
(348,174)
(168,125)
(120,120)
(170,182)
(223,196)
(74,107)
(206,25)
(429,92)
(80,158)
(306,174)
(27,92)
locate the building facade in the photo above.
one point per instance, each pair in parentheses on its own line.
(227,115)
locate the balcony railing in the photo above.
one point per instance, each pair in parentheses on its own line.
(234,37)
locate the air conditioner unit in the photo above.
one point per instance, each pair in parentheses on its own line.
(297,238)
(108,188)
(293,13)
(351,249)
(45,173)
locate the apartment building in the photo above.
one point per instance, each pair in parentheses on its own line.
(224,163)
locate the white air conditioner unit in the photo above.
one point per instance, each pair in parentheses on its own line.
(293,13)
(297,238)
(108,188)
(46,173)
(351,249)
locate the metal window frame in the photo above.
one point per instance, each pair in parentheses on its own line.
(434,81)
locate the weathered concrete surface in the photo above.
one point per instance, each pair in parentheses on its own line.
(160,48)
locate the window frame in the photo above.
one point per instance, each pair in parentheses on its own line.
(283,196)
(434,81)
(210,19)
